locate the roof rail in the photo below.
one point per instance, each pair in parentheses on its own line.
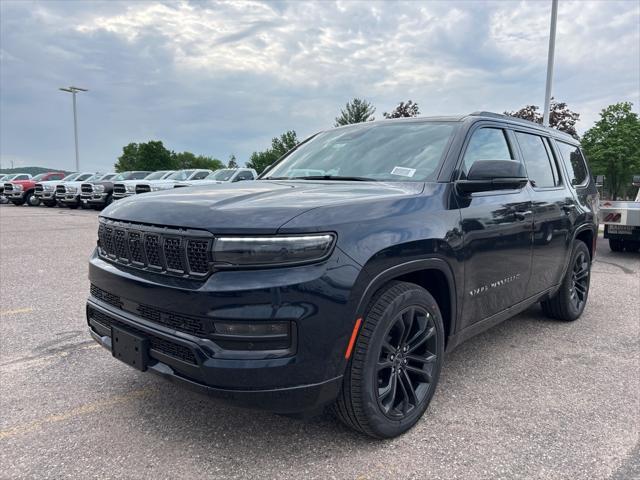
(518,120)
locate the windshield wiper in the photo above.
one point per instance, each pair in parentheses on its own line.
(325,177)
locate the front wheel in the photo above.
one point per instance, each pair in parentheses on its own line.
(396,362)
(49,203)
(32,200)
(569,301)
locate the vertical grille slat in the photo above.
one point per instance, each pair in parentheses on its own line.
(164,250)
(198,256)
(173,254)
(152,250)
(135,247)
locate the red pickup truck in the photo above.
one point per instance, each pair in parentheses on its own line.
(20,192)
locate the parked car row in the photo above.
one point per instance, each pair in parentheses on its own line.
(97,190)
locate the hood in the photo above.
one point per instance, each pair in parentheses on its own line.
(251,206)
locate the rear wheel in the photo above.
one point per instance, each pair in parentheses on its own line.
(569,301)
(396,362)
(616,245)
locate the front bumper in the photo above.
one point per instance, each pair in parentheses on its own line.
(95,198)
(118,196)
(315,298)
(68,198)
(15,195)
(45,195)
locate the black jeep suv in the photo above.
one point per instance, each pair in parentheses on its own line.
(346,271)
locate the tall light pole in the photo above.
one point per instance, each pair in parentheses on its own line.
(73,91)
(550,59)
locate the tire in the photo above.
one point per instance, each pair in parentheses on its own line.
(72,206)
(365,403)
(570,300)
(616,245)
(30,200)
(49,203)
(17,203)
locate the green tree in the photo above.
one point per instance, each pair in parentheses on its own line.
(409,109)
(233,163)
(612,147)
(151,155)
(355,111)
(560,116)
(190,160)
(279,146)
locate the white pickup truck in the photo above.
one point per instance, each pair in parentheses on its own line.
(622,222)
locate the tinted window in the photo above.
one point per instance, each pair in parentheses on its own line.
(57,176)
(536,159)
(574,162)
(244,176)
(22,177)
(84,177)
(487,144)
(200,175)
(138,175)
(401,151)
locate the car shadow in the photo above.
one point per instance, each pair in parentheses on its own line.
(183,417)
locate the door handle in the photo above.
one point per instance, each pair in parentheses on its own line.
(522,215)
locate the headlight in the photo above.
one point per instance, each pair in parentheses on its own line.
(70,189)
(17,187)
(130,188)
(98,188)
(271,251)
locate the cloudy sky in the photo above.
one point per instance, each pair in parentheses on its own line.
(217,78)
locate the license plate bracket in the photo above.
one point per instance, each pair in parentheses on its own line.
(130,348)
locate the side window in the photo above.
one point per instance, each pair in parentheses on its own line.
(536,159)
(574,162)
(200,175)
(244,176)
(22,177)
(486,144)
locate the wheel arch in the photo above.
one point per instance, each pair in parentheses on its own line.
(433,274)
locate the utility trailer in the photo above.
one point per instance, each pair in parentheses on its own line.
(622,222)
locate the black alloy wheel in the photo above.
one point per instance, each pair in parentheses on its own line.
(580,281)
(404,373)
(569,301)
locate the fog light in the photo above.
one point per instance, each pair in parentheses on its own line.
(255,336)
(262,329)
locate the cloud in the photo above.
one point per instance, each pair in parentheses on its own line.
(224,77)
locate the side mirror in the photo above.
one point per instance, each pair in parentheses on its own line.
(599,180)
(487,175)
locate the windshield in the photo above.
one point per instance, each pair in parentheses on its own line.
(70,177)
(221,175)
(120,176)
(156,175)
(84,176)
(108,176)
(38,177)
(404,151)
(180,175)
(10,177)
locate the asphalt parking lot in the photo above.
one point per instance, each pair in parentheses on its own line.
(531,398)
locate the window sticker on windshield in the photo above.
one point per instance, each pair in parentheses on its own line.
(403,171)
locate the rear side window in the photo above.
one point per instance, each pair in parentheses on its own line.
(574,162)
(487,144)
(537,160)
